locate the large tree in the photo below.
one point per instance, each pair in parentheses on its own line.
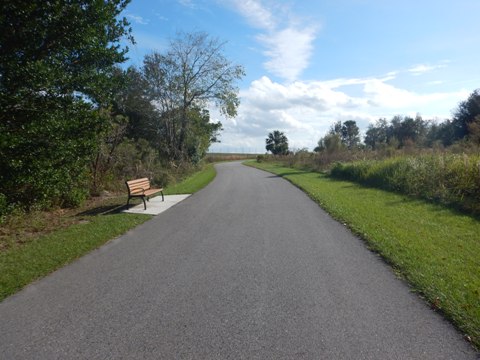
(56,62)
(277,143)
(376,135)
(192,74)
(466,114)
(350,134)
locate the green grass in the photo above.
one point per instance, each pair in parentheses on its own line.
(436,249)
(26,261)
(21,265)
(193,183)
(450,179)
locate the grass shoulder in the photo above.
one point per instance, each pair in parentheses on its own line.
(35,244)
(194,182)
(436,249)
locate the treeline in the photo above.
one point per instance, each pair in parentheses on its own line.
(406,132)
(422,158)
(72,122)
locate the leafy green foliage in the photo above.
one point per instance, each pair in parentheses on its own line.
(56,62)
(132,101)
(350,134)
(110,138)
(277,143)
(466,114)
(182,82)
(330,143)
(340,136)
(407,131)
(201,133)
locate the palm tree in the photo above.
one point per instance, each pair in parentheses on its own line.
(277,143)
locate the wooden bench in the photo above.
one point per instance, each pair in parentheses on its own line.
(141,188)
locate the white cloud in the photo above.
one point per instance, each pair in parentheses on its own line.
(289,51)
(257,15)
(423,68)
(288,46)
(138,19)
(306,110)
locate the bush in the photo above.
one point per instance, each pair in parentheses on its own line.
(450,179)
(3,206)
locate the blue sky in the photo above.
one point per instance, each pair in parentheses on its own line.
(313,62)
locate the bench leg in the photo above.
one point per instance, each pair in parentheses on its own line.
(128,203)
(144,203)
(162,196)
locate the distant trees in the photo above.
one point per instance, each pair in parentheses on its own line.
(277,143)
(350,134)
(377,134)
(329,143)
(346,135)
(466,118)
(407,131)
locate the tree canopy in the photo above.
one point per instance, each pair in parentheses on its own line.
(277,143)
(467,113)
(56,62)
(192,74)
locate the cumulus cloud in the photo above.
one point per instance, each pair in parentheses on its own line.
(306,110)
(289,51)
(423,68)
(288,46)
(257,15)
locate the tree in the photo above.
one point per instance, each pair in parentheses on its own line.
(350,134)
(277,143)
(336,129)
(193,73)
(411,130)
(376,135)
(465,114)
(330,143)
(202,133)
(474,130)
(132,101)
(56,63)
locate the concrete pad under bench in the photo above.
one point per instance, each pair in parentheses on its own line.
(156,206)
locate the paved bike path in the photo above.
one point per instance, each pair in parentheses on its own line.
(247,268)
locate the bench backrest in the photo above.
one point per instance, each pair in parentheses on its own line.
(138,185)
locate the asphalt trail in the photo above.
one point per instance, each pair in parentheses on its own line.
(247,268)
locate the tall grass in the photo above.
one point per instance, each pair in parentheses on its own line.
(217,157)
(450,179)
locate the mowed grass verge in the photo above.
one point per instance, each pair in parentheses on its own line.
(436,249)
(193,183)
(23,263)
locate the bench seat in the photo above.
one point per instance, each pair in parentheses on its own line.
(141,188)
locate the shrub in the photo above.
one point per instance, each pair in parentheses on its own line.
(3,206)
(450,179)
(260,158)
